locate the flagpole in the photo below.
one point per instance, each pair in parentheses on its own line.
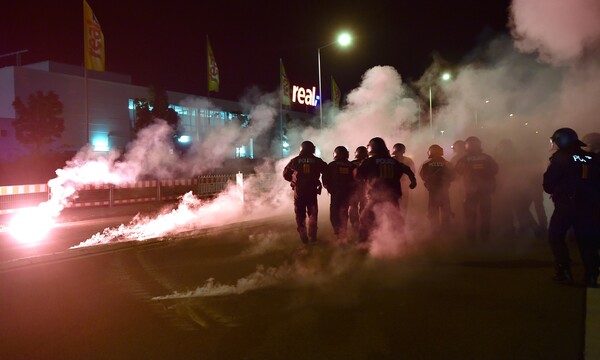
(281,109)
(87,117)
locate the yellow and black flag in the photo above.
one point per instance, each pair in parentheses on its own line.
(213,69)
(336,94)
(286,88)
(93,40)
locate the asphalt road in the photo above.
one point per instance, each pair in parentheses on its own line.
(247,292)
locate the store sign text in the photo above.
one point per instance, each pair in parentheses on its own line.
(304,96)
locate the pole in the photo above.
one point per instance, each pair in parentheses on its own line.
(320,96)
(430,112)
(87,117)
(281,110)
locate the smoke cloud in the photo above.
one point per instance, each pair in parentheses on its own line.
(559,31)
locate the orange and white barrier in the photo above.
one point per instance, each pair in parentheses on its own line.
(16,197)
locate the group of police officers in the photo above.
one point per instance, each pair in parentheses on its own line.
(376,181)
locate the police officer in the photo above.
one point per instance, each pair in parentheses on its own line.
(339,182)
(303,172)
(398,151)
(458,150)
(457,195)
(358,201)
(437,173)
(478,171)
(381,174)
(573,181)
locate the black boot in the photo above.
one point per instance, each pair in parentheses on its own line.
(563,275)
(303,235)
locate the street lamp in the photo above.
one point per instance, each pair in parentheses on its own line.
(343,40)
(445,76)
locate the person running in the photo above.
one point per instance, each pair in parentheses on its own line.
(381,174)
(304,172)
(339,182)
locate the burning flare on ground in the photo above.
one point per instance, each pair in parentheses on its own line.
(31,225)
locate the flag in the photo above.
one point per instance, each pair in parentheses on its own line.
(213,69)
(336,94)
(93,40)
(286,88)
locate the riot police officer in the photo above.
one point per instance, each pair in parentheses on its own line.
(339,182)
(398,151)
(437,174)
(303,172)
(381,174)
(458,150)
(573,181)
(358,201)
(478,171)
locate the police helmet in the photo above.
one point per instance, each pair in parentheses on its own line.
(377,146)
(398,149)
(361,153)
(566,137)
(307,147)
(340,153)
(435,151)
(458,146)
(473,144)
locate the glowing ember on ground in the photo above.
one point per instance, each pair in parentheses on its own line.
(31,225)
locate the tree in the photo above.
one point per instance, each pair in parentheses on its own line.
(156,107)
(40,121)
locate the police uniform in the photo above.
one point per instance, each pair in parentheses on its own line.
(381,174)
(573,181)
(339,182)
(303,172)
(437,174)
(478,171)
(357,201)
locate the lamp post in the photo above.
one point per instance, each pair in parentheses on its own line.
(445,76)
(343,40)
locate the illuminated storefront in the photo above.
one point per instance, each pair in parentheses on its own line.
(107,119)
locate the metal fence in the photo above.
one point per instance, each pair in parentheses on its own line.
(13,198)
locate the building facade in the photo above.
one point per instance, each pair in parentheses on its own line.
(98,108)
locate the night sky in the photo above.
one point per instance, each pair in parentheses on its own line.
(164,42)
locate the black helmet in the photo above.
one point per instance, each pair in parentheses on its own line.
(458,146)
(340,153)
(473,144)
(398,148)
(435,151)
(307,147)
(361,153)
(566,137)
(377,146)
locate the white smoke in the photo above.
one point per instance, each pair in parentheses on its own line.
(559,31)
